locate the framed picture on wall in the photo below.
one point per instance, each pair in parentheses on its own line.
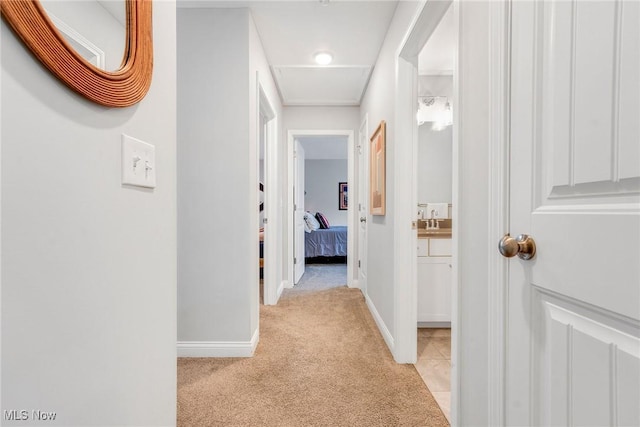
(343,201)
(377,166)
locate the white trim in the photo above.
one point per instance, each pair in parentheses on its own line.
(499,51)
(351,217)
(270,249)
(352,276)
(290,280)
(405,205)
(425,21)
(456,315)
(384,331)
(218,348)
(362,198)
(283,285)
(81,44)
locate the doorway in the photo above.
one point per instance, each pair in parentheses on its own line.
(425,257)
(436,62)
(318,146)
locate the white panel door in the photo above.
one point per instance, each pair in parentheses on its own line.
(573,328)
(298,214)
(363,198)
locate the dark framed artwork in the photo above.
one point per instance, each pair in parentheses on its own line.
(377,173)
(343,201)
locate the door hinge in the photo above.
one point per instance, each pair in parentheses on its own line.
(264,220)
(295,261)
(295,207)
(359,264)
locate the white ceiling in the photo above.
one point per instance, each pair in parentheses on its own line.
(292,32)
(324,147)
(116,8)
(438,55)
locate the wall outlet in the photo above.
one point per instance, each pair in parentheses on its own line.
(138,162)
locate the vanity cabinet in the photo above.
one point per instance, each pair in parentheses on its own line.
(434,279)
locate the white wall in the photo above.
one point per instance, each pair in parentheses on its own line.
(435,147)
(219,57)
(434,164)
(213,180)
(322,118)
(379,104)
(321,178)
(88,266)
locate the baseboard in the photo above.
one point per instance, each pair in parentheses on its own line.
(354,284)
(218,348)
(283,285)
(430,324)
(381,326)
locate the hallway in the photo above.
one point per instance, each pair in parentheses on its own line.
(320,361)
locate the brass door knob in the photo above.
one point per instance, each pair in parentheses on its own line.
(524,246)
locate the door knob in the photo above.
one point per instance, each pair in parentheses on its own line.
(363,219)
(524,246)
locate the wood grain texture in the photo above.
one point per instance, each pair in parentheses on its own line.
(122,88)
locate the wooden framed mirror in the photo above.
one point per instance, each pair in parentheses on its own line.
(121,88)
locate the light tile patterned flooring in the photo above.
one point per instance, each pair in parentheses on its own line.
(434,364)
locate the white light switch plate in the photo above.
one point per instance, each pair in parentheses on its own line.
(138,162)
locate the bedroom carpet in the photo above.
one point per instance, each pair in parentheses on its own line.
(320,362)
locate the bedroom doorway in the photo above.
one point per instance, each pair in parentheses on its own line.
(321,221)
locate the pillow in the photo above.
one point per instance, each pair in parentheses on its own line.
(310,222)
(324,223)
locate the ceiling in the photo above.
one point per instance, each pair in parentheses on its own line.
(292,32)
(437,57)
(324,147)
(116,8)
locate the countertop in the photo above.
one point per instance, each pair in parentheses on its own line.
(442,233)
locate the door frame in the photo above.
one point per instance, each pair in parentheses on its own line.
(272,290)
(495,205)
(426,20)
(362,177)
(405,261)
(291,136)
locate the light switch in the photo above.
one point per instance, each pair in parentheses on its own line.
(138,162)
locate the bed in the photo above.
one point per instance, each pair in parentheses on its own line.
(330,242)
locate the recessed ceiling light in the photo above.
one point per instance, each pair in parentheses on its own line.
(323,58)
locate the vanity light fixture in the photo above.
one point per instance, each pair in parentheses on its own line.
(323,58)
(436,110)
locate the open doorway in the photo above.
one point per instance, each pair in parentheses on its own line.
(436,63)
(321,218)
(425,254)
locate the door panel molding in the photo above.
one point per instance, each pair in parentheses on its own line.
(578,335)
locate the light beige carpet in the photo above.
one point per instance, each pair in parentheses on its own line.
(320,362)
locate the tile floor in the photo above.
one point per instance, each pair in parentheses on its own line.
(434,364)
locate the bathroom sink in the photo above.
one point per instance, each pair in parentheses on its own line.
(443,231)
